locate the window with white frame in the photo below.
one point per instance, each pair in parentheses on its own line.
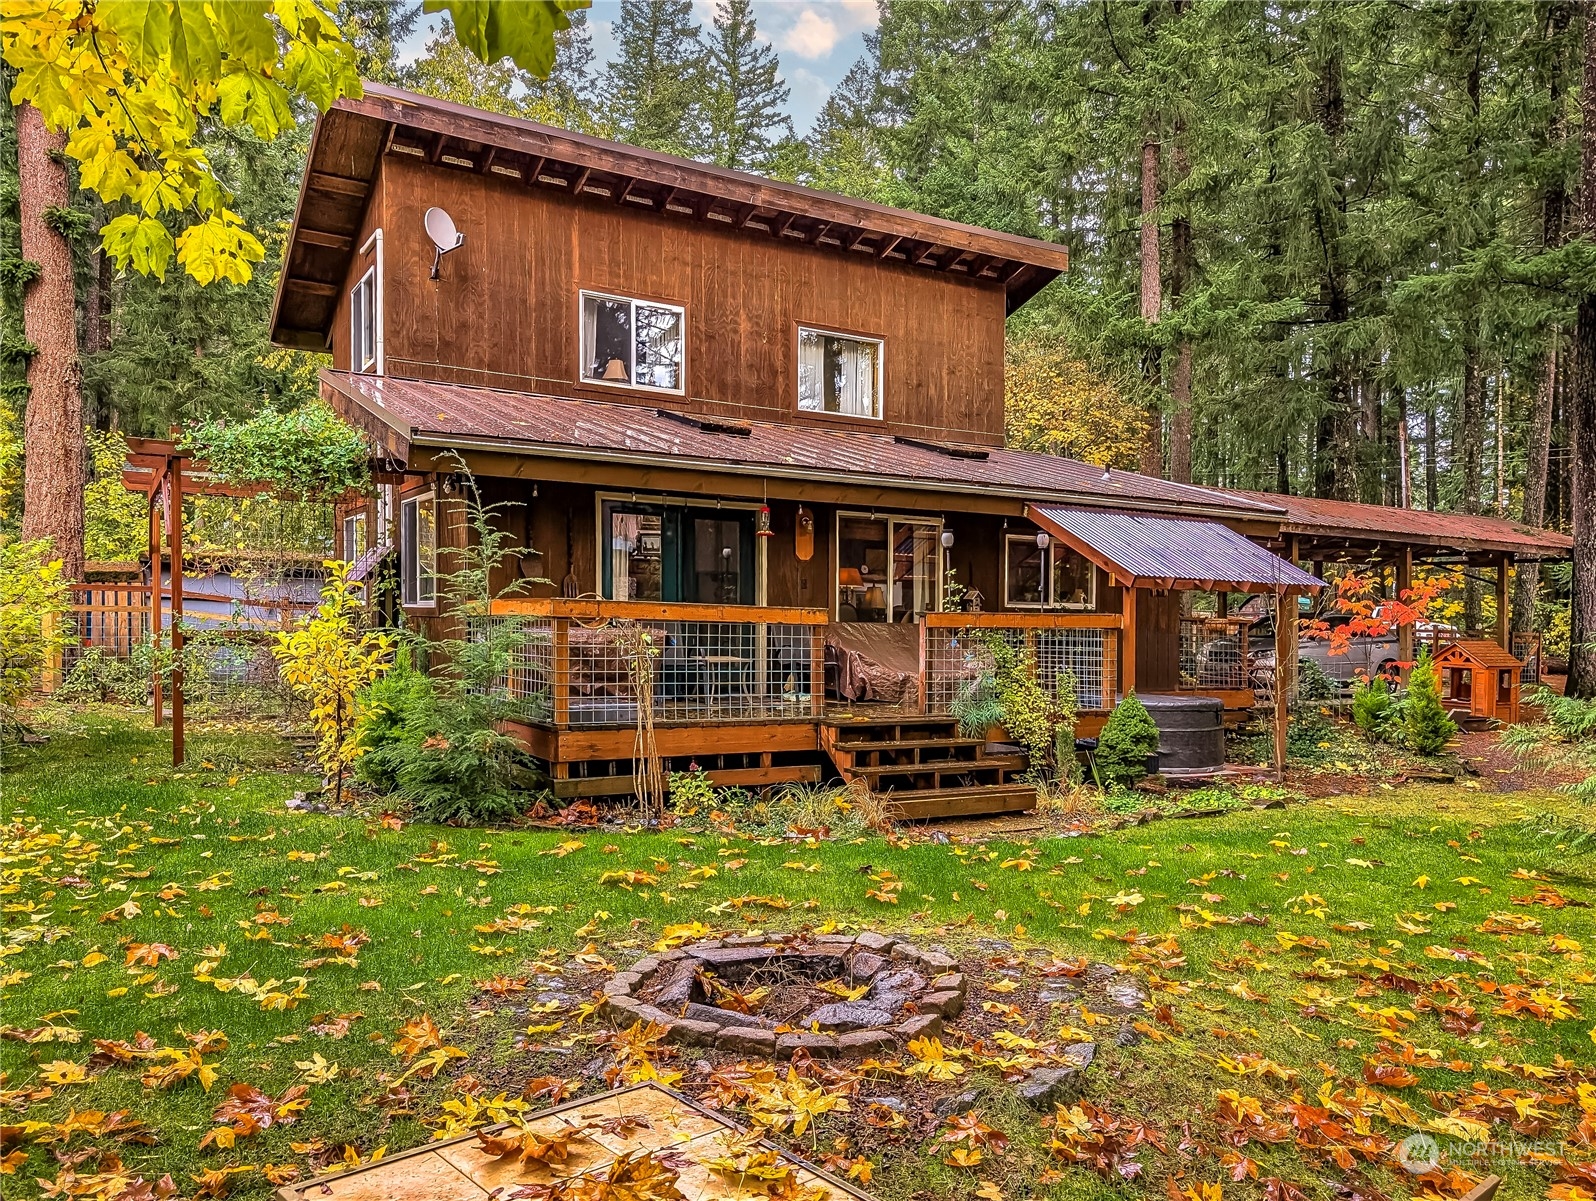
(1046,575)
(631,343)
(354,535)
(418,549)
(838,374)
(363,323)
(888,568)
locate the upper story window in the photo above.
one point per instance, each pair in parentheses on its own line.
(838,374)
(1045,577)
(418,549)
(363,323)
(631,343)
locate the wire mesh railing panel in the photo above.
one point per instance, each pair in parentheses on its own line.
(959,662)
(1214,653)
(1527,649)
(568,672)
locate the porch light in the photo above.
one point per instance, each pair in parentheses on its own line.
(947,539)
(1042,539)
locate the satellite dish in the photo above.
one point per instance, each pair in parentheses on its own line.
(440,228)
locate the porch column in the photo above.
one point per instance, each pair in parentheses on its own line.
(1127,639)
(1504,615)
(1404,584)
(1285,678)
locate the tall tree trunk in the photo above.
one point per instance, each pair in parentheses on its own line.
(1335,468)
(1538,444)
(1582,407)
(1181,268)
(1151,296)
(1431,442)
(54,472)
(1471,438)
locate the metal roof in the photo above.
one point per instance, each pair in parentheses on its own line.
(1153,551)
(427,414)
(1367,525)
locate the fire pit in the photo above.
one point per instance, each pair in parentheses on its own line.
(774,995)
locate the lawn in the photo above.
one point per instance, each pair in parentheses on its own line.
(1410,959)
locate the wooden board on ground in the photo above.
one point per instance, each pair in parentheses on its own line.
(928,804)
(645,1118)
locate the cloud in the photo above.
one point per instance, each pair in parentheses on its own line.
(816,30)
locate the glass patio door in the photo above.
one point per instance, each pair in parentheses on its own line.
(678,553)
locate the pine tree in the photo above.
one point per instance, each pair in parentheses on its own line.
(1128,740)
(1426,728)
(652,93)
(744,118)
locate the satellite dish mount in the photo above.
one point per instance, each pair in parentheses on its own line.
(440,228)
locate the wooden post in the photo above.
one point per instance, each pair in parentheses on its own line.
(925,671)
(1285,653)
(1504,615)
(157,495)
(560,701)
(1222,604)
(1127,642)
(174,541)
(1404,584)
(817,672)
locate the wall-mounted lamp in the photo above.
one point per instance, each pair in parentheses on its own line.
(947,539)
(1042,539)
(440,228)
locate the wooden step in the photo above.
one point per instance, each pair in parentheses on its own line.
(742,777)
(904,744)
(961,802)
(943,767)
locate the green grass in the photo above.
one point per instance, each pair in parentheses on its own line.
(104,779)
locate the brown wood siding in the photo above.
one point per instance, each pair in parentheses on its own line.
(505,312)
(1157,641)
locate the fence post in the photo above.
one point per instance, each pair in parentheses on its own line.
(50,677)
(560,685)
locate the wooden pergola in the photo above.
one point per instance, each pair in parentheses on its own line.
(165,475)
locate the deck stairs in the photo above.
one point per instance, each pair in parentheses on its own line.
(924,767)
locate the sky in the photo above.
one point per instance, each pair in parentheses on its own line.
(818,40)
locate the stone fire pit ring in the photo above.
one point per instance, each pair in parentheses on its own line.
(910,992)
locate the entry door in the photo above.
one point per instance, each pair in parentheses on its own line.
(679,553)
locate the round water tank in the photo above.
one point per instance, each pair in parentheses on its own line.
(1191,730)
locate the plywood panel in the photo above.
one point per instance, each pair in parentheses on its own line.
(505,312)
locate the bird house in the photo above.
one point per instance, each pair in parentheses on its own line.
(1479,679)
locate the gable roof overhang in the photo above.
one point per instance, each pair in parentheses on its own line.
(1142,550)
(352,137)
(415,421)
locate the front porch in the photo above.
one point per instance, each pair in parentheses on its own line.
(742,691)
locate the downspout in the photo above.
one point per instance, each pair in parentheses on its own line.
(376,237)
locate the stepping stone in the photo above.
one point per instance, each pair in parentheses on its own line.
(847,1016)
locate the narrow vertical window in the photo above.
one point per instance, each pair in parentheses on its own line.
(418,550)
(363,323)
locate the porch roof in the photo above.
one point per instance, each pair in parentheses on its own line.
(406,413)
(1145,551)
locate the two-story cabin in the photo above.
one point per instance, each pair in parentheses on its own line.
(763,422)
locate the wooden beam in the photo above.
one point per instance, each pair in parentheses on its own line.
(324,237)
(530,174)
(620,194)
(888,245)
(599,610)
(1127,639)
(1285,654)
(313,286)
(818,232)
(484,161)
(779,227)
(339,185)
(174,539)
(435,152)
(581,181)
(1404,584)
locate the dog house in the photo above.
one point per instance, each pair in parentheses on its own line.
(1479,679)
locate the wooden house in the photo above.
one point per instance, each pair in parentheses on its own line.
(762,422)
(1479,679)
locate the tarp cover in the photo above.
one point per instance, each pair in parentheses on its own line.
(1147,549)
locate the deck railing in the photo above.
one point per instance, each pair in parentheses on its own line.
(957,657)
(589,662)
(1213,654)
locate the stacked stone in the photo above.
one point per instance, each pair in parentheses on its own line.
(910,993)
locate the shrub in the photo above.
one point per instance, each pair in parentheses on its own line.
(1129,737)
(1313,685)
(690,791)
(432,745)
(33,611)
(327,661)
(1373,708)
(1426,728)
(97,676)
(308,451)
(1012,695)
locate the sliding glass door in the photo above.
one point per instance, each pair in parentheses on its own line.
(678,553)
(887,567)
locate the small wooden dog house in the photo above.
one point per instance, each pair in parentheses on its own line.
(1479,679)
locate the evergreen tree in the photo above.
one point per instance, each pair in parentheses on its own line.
(652,93)
(743,111)
(1426,728)
(376,27)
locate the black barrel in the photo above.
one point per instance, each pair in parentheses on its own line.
(1191,730)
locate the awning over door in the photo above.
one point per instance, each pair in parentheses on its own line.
(1145,551)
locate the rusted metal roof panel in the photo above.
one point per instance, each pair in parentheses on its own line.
(1362,523)
(1142,546)
(425,413)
